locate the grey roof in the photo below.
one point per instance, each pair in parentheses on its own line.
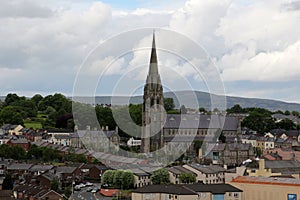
(178,170)
(282,164)
(65,170)
(293,133)
(19,141)
(277,131)
(108,134)
(62,137)
(239,146)
(180,138)
(208,169)
(35,168)
(188,189)
(19,166)
(193,121)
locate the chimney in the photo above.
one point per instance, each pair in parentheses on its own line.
(261,164)
(106,128)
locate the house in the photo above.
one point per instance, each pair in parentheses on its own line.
(6,195)
(96,171)
(133,143)
(36,170)
(286,154)
(15,129)
(188,192)
(45,179)
(64,140)
(267,188)
(100,141)
(68,173)
(75,140)
(207,174)
(269,168)
(272,156)
(269,143)
(249,139)
(33,136)
(24,143)
(50,195)
(19,171)
(231,154)
(176,171)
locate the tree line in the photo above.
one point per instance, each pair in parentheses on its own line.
(44,154)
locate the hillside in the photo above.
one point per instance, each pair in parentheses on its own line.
(189,98)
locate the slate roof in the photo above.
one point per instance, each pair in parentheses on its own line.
(36,168)
(192,121)
(19,141)
(188,189)
(62,137)
(207,169)
(282,164)
(19,166)
(178,170)
(277,131)
(267,180)
(65,170)
(293,133)
(82,133)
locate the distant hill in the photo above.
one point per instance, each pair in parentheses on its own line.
(195,99)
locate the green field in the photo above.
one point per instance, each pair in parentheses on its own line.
(34,125)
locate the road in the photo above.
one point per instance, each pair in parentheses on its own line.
(83,195)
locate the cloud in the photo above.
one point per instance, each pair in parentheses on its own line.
(24,8)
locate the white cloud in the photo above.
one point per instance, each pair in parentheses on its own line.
(279,66)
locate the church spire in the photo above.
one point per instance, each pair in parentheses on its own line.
(153,75)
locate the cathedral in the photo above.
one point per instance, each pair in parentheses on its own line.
(160,129)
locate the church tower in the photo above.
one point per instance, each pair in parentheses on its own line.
(153,111)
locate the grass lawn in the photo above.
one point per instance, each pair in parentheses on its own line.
(34,125)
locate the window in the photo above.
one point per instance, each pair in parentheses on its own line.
(230,194)
(236,195)
(147,196)
(292,197)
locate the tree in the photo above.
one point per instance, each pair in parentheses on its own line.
(286,124)
(259,120)
(107,178)
(187,177)
(7,183)
(11,115)
(136,113)
(34,152)
(11,98)
(202,110)
(169,104)
(287,112)
(18,153)
(197,146)
(36,99)
(236,109)
(54,184)
(295,113)
(183,109)
(127,180)
(160,176)
(117,179)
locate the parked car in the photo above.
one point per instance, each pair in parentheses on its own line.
(89,189)
(96,189)
(88,184)
(77,188)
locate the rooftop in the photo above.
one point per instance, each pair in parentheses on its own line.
(267,180)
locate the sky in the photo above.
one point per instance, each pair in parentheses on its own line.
(50,46)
